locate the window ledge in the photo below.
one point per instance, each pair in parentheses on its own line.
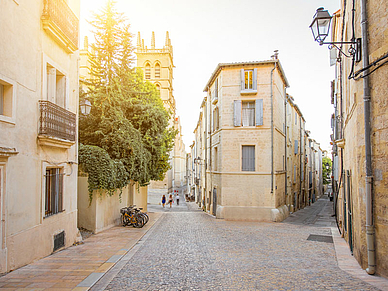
(45,140)
(7,119)
(248,92)
(7,152)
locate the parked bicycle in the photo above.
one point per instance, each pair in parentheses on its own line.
(133,216)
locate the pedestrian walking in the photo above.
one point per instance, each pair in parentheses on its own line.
(170,200)
(163,200)
(177,199)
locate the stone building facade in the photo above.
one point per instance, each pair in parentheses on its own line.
(250,153)
(157,65)
(38,129)
(362,210)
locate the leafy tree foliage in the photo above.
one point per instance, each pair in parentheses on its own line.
(326,173)
(127,121)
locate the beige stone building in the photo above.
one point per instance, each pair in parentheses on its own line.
(38,129)
(157,65)
(360,133)
(250,160)
(245,150)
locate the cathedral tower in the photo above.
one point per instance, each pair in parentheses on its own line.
(157,65)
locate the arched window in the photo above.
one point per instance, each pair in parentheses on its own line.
(148,71)
(158,88)
(157,71)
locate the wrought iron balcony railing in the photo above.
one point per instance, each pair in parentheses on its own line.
(56,121)
(61,23)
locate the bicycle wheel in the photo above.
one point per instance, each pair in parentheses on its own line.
(140,221)
(146,217)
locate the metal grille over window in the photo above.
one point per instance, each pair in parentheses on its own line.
(248,158)
(53,191)
(248,113)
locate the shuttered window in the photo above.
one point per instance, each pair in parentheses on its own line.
(248,80)
(248,113)
(248,158)
(296,147)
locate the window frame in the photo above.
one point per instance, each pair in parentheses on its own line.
(147,71)
(47,62)
(252,86)
(157,72)
(8,100)
(48,166)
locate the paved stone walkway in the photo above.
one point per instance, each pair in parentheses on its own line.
(194,251)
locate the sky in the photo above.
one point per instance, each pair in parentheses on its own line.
(205,33)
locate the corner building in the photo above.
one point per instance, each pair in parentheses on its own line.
(38,129)
(246,148)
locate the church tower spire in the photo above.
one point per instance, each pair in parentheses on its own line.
(153,40)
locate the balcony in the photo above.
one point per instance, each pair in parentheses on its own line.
(61,23)
(57,126)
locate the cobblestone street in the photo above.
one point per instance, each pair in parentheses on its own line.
(190,250)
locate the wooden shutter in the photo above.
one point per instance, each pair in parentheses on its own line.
(242,74)
(237,113)
(216,89)
(296,147)
(259,111)
(254,85)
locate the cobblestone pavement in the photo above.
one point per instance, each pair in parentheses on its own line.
(193,251)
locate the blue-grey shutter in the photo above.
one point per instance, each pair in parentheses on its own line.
(216,89)
(237,113)
(296,147)
(259,112)
(248,158)
(242,74)
(254,79)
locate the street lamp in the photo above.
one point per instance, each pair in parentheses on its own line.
(85,107)
(320,25)
(320,28)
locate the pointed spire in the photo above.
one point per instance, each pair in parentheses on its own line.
(142,43)
(153,40)
(138,39)
(167,39)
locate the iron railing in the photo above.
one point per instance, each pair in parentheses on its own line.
(56,121)
(60,14)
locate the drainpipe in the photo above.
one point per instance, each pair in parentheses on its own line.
(370,233)
(285,143)
(272,127)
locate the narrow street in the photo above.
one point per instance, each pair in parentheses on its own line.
(190,250)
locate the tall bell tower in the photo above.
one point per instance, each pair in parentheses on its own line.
(157,65)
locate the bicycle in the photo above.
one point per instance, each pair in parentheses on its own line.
(133,216)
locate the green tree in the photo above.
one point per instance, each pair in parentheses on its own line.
(326,173)
(127,120)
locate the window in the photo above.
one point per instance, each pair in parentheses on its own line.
(216,120)
(215,159)
(53,191)
(158,88)
(56,86)
(248,113)
(7,102)
(249,81)
(296,146)
(248,158)
(148,71)
(157,71)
